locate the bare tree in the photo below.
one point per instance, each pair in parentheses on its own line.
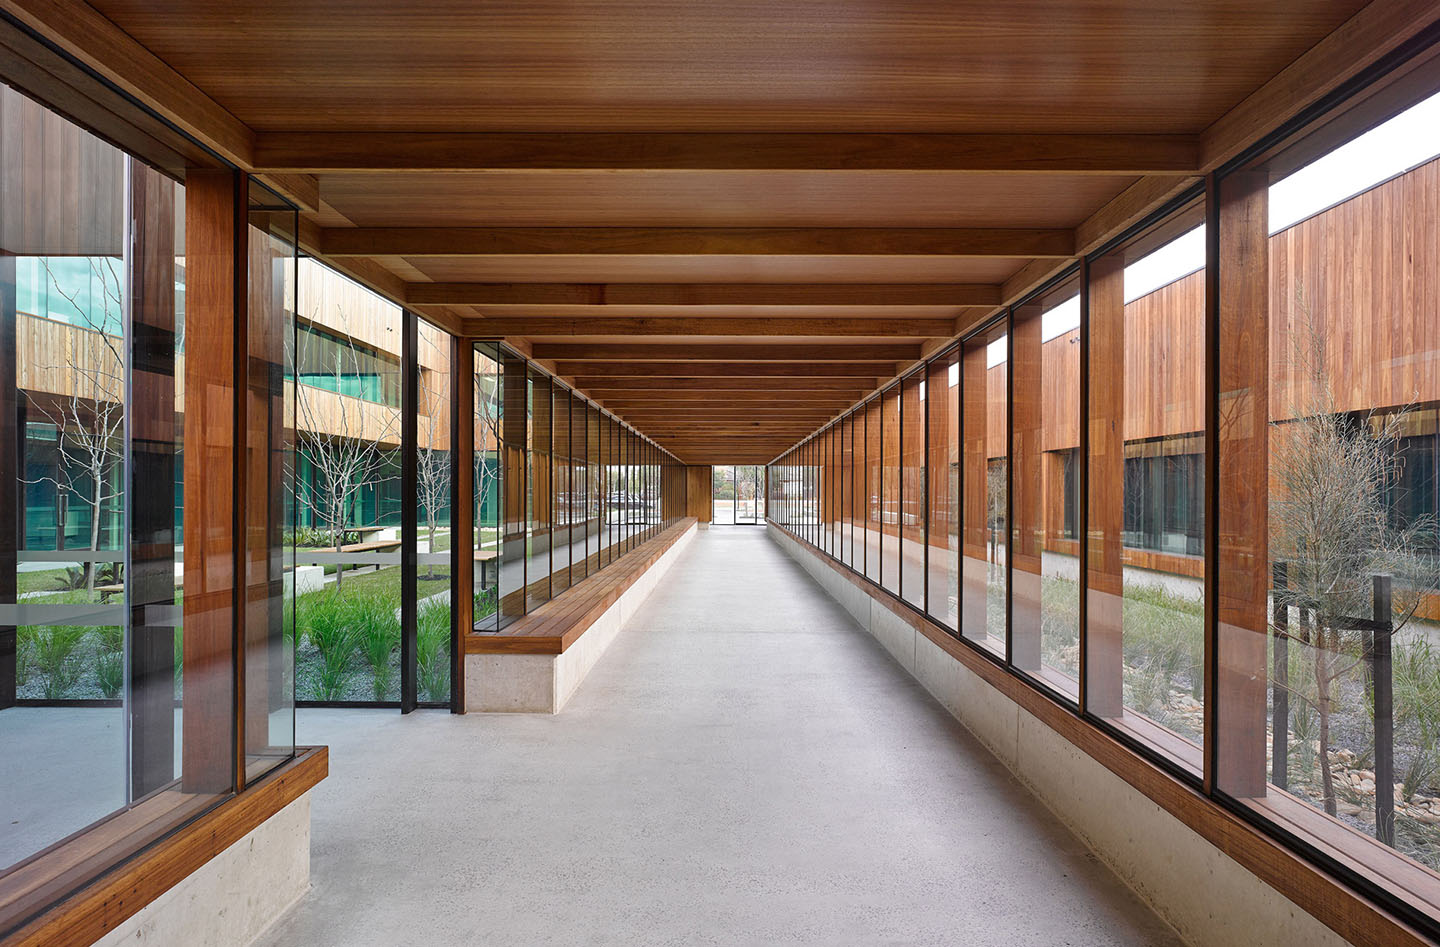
(1332,474)
(341,437)
(487,396)
(88,407)
(432,465)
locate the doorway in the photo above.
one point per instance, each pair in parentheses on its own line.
(737,495)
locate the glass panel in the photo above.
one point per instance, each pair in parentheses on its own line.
(1328,576)
(942,409)
(912,490)
(433,482)
(984,483)
(269,657)
(63,547)
(560,508)
(92,363)
(1045,421)
(489,391)
(889,525)
(347,496)
(1146,508)
(872,490)
(595,491)
(538,493)
(577,500)
(515,477)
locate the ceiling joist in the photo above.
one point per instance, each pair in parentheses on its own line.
(843,295)
(324,152)
(542,327)
(697,241)
(737,352)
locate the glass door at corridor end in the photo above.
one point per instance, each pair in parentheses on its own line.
(738,495)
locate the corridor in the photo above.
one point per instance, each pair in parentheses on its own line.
(744,766)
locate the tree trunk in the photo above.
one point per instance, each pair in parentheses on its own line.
(430,568)
(95,501)
(338,537)
(1322,706)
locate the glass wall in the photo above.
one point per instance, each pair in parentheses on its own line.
(118,667)
(434,482)
(1045,426)
(489,494)
(346,502)
(1328,568)
(942,467)
(562,488)
(1284,521)
(986,484)
(1146,485)
(913,508)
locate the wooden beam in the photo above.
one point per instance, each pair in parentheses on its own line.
(738,352)
(703,294)
(1378,29)
(691,241)
(82,32)
(546,327)
(1127,209)
(581,370)
(325,151)
(757,399)
(600,385)
(725,412)
(1124,210)
(301,189)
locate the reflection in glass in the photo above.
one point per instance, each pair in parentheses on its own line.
(985,484)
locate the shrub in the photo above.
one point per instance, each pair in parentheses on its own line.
(486,601)
(24,657)
(110,662)
(55,656)
(373,615)
(433,650)
(329,629)
(313,537)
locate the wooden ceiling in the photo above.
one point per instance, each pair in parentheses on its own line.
(725,222)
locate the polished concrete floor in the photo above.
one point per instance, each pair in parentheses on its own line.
(744,766)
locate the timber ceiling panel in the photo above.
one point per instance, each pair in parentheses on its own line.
(801,181)
(718,198)
(718,269)
(821,65)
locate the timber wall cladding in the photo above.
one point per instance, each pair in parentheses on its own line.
(63,189)
(698,490)
(1365,274)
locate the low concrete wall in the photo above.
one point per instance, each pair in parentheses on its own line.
(233,897)
(1207,896)
(544,683)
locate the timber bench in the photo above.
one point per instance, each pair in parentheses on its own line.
(534,664)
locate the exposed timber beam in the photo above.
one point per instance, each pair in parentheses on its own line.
(715,370)
(849,386)
(1377,29)
(86,34)
(737,352)
(543,327)
(327,151)
(703,294)
(692,241)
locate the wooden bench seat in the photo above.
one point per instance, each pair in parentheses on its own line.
(379,545)
(556,625)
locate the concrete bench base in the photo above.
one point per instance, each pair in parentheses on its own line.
(544,683)
(235,896)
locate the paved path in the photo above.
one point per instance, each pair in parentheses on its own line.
(744,766)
